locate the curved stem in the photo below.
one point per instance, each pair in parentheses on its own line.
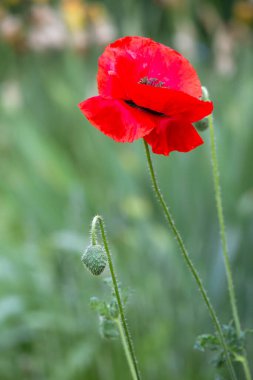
(93,230)
(189,263)
(217,189)
(123,328)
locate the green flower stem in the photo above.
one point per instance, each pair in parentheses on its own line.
(246,368)
(122,323)
(189,263)
(127,351)
(217,189)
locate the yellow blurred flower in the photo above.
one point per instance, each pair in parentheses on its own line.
(40,1)
(96,12)
(243,11)
(102,30)
(12,2)
(74,13)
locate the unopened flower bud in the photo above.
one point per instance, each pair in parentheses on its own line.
(202,125)
(95,259)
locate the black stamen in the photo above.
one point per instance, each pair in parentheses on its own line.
(148,110)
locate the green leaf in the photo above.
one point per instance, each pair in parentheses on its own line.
(108,328)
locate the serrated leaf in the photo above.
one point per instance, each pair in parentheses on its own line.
(206,341)
(100,306)
(211,342)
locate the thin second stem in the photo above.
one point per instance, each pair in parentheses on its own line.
(231,289)
(217,188)
(122,324)
(189,263)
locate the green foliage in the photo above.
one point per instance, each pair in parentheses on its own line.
(236,345)
(108,328)
(108,313)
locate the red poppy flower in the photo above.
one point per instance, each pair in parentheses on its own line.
(147,90)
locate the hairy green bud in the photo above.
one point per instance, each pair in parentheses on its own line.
(95,259)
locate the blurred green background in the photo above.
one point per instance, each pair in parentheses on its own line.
(57,172)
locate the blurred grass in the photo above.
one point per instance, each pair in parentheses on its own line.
(57,172)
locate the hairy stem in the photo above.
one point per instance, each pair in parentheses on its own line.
(189,263)
(122,323)
(217,190)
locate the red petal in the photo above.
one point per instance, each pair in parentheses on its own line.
(118,120)
(126,61)
(172,103)
(173,135)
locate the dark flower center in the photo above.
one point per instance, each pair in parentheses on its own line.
(148,110)
(151,82)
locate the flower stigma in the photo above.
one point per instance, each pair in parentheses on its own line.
(151,82)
